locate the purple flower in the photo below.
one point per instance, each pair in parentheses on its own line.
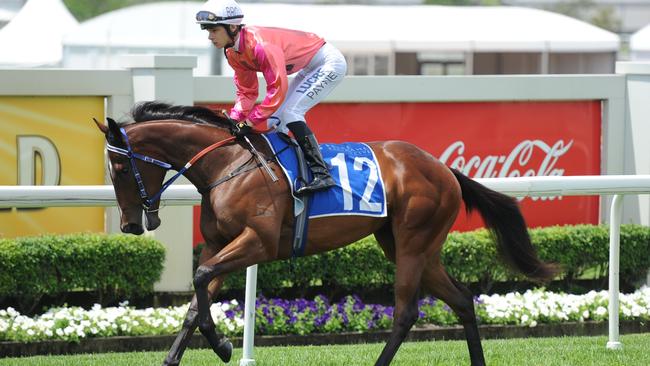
(358,304)
(430,301)
(346,321)
(319,321)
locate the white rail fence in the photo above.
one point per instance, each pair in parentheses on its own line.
(180,195)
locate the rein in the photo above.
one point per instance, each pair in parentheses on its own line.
(128,152)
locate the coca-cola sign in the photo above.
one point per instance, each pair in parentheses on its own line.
(491,139)
(486,139)
(516,163)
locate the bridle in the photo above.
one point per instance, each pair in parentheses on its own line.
(147,202)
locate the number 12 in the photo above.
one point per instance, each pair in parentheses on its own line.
(365,204)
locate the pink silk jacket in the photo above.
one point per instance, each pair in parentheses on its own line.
(276,53)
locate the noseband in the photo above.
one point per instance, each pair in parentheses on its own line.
(129,153)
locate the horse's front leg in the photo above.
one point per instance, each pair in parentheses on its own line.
(189,325)
(191,319)
(247,249)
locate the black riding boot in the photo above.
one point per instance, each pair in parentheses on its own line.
(321,176)
(307,141)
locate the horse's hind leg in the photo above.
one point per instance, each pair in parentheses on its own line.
(409,246)
(407,279)
(441,285)
(189,326)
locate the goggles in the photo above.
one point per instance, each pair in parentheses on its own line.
(210,17)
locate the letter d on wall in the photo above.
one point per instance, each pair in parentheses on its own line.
(30,150)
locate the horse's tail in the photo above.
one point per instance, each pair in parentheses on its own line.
(502,215)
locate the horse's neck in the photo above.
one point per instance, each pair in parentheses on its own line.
(179,142)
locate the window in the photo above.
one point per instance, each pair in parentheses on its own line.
(441,63)
(370,64)
(382,65)
(360,65)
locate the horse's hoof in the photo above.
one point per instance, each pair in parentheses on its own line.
(224,350)
(169,362)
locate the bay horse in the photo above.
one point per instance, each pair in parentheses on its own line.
(247,218)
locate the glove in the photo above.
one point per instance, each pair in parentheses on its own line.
(241,129)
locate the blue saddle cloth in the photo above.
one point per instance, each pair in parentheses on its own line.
(359,186)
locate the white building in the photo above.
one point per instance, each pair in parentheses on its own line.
(631,14)
(376,39)
(152,28)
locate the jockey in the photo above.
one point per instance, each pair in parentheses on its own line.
(276,52)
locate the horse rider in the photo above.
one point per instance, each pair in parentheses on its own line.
(276,52)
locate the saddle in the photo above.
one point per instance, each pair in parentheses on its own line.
(359,187)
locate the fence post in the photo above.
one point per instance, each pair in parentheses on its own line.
(169,79)
(637,128)
(614,251)
(249,316)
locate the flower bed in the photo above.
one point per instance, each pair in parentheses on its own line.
(278,316)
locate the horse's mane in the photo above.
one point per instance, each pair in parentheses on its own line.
(154,111)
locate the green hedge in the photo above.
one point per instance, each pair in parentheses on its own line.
(112,265)
(471,257)
(126,265)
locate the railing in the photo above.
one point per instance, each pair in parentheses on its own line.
(181,195)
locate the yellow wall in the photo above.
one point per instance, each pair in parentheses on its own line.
(51,140)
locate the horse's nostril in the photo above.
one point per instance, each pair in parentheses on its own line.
(133,229)
(152,221)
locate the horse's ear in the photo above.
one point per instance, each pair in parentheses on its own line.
(113,135)
(112,124)
(102,127)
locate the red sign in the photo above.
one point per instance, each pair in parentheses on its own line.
(485,139)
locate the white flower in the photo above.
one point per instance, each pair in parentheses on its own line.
(528,308)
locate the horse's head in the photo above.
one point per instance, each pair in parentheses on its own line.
(134,180)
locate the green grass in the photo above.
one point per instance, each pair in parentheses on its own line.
(574,351)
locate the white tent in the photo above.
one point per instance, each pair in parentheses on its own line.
(640,44)
(33,36)
(6,16)
(153,28)
(169,27)
(437,28)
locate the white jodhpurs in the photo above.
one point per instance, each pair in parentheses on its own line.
(311,85)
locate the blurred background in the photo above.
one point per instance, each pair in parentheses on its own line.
(378,37)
